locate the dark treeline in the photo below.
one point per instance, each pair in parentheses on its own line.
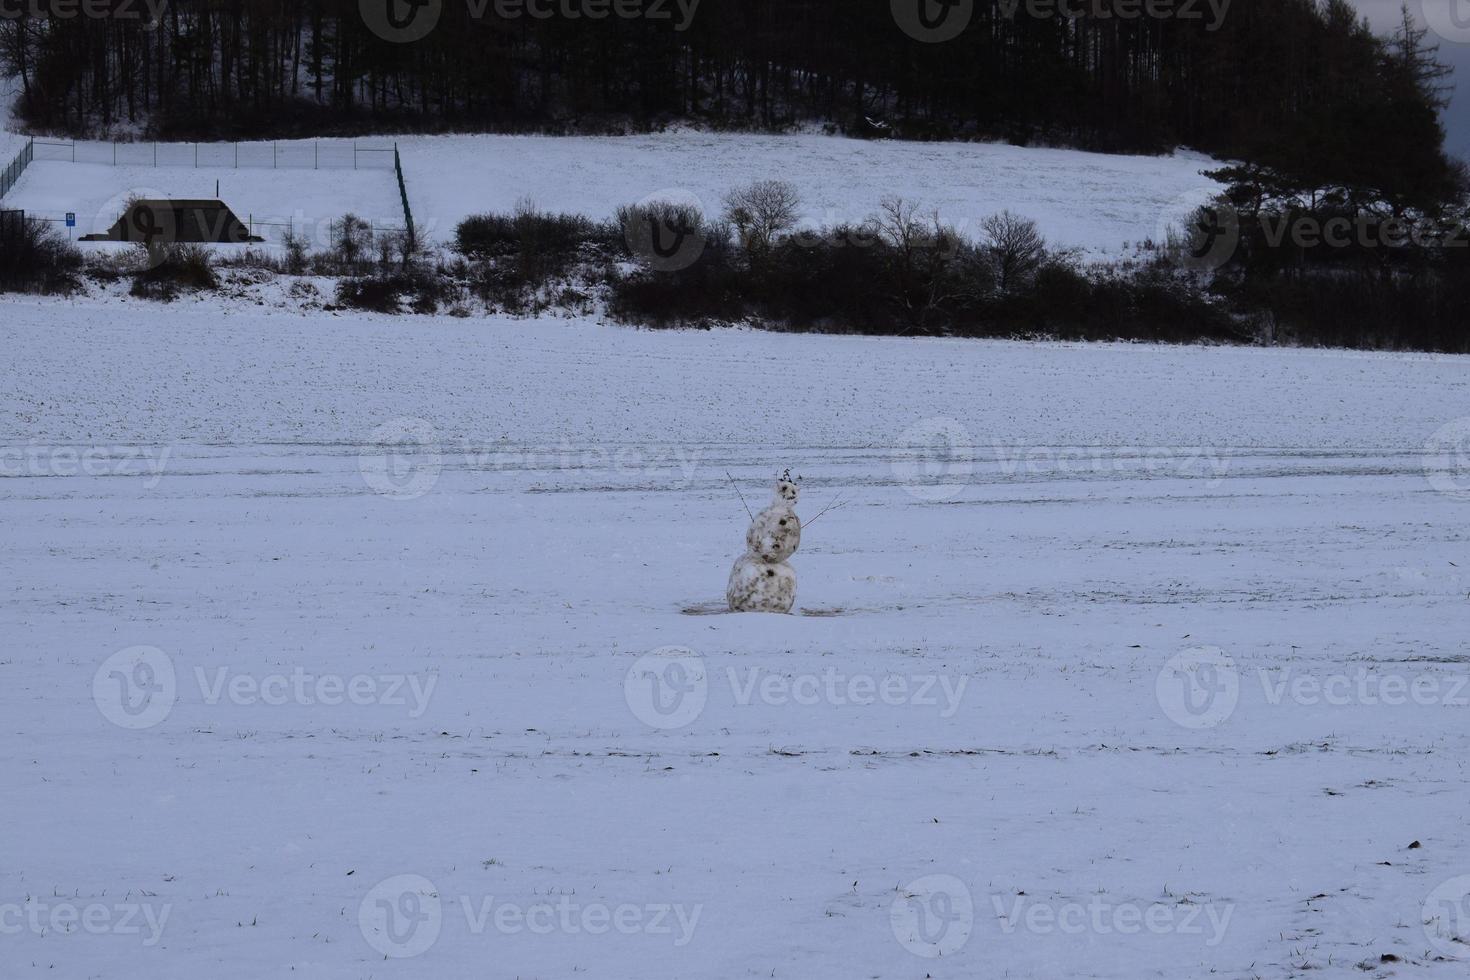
(1300,85)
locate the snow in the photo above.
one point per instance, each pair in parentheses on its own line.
(216,494)
(1105,205)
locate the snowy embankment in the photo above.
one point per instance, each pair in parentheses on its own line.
(1105,205)
(972,743)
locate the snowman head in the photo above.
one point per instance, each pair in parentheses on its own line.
(786,492)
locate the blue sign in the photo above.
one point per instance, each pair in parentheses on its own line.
(71,219)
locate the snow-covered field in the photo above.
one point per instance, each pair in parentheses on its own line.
(1102,204)
(330,652)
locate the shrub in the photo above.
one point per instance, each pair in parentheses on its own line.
(172,268)
(420,288)
(525,232)
(34,257)
(352,240)
(295,248)
(648,229)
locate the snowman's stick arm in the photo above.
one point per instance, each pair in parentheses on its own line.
(741,496)
(832,506)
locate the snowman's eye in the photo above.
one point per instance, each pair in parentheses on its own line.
(769,572)
(783,523)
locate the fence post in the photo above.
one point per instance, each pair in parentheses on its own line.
(403,194)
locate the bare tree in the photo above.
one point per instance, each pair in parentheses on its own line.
(1015,247)
(761,211)
(924,250)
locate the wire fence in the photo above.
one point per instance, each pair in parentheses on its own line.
(294,154)
(18,166)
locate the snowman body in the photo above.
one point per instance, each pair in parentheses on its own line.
(761,580)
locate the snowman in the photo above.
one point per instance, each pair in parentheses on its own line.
(761,581)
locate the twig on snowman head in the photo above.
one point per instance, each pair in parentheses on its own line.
(741,496)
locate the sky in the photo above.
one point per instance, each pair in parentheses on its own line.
(1455,51)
